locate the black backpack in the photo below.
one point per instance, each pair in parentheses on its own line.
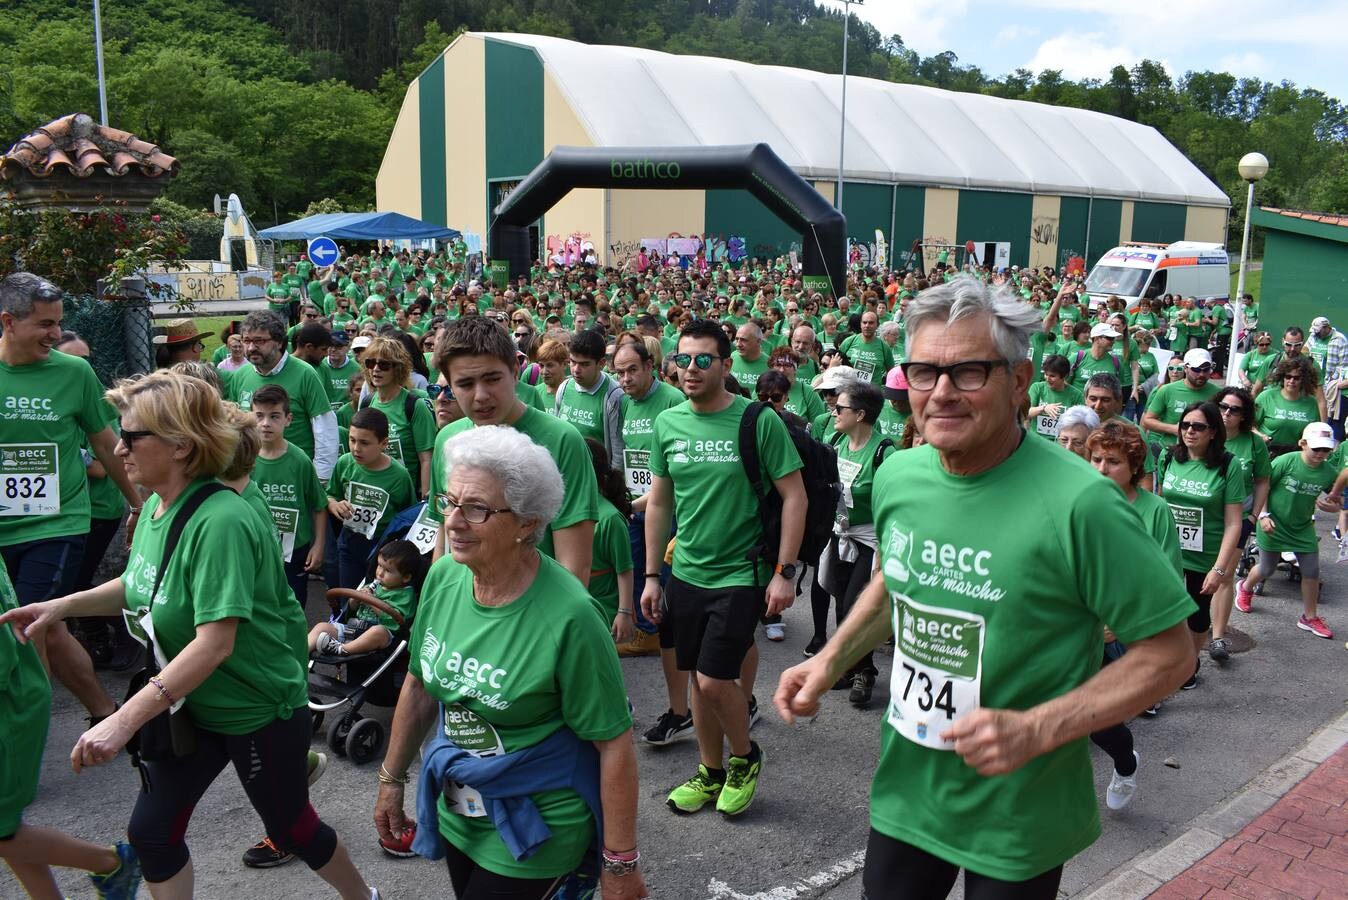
(409,403)
(823,490)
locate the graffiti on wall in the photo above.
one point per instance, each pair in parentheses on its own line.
(1044,230)
(569,249)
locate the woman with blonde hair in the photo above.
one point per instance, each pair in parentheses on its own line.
(411,423)
(223,627)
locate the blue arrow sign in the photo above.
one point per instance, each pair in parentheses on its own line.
(322,251)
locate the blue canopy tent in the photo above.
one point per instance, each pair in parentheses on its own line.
(366,226)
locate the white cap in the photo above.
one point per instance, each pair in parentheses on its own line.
(835,378)
(1318,322)
(1197,357)
(1318,436)
(361,342)
(1104,329)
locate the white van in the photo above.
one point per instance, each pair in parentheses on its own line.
(1134,271)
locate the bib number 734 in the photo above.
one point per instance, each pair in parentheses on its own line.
(938,669)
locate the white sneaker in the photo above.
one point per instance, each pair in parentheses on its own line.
(775,631)
(327,644)
(1122,787)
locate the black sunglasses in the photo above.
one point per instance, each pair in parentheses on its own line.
(129,437)
(382,365)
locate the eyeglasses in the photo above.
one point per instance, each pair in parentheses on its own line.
(1196,427)
(786,364)
(970,375)
(701,360)
(1291,378)
(130,437)
(256,342)
(1204,369)
(1175,370)
(1292,345)
(473,513)
(772,398)
(371,362)
(1264,344)
(1230,409)
(521,335)
(434,391)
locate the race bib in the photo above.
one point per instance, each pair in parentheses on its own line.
(29,483)
(395,449)
(937,674)
(847,473)
(866,368)
(1046,425)
(470,732)
(424,531)
(1189,522)
(287,523)
(140,626)
(637,471)
(367,507)
(1171,333)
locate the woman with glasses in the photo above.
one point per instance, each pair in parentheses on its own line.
(1205,488)
(1286,523)
(1048,398)
(849,562)
(800,398)
(411,424)
(1280,414)
(1237,408)
(1254,365)
(1074,426)
(519,680)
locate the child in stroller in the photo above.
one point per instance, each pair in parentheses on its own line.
(367,628)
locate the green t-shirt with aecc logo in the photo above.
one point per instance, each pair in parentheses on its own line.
(804,401)
(747,372)
(1281,419)
(584,409)
(337,380)
(224,567)
(1293,489)
(308,397)
(639,434)
(1252,453)
(375,495)
(1198,496)
(25,711)
(508,677)
(1042,395)
(1169,401)
(47,409)
(407,439)
(278,297)
(891,422)
(873,358)
(293,493)
(714,502)
(1003,611)
(612,557)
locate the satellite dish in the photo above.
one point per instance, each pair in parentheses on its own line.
(218,205)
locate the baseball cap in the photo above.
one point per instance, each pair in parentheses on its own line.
(1318,436)
(835,378)
(896,384)
(1318,322)
(340,337)
(1104,329)
(361,342)
(1197,357)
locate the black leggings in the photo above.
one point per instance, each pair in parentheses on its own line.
(472,882)
(1200,621)
(899,871)
(272,764)
(855,576)
(1117,741)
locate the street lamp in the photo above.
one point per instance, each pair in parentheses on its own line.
(98,53)
(1252,167)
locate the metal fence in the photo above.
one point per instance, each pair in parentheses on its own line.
(118,332)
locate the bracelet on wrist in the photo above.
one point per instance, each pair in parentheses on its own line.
(134,510)
(621,856)
(387,777)
(626,612)
(652,574)
(163,691)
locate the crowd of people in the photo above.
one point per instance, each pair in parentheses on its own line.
(644,461)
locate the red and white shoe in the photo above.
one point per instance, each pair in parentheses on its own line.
(1315,626)
(401,847)
(1244,597)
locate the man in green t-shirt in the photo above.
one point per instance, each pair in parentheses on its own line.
(589,399)
(50,404)
(996,681)
(314,429)
(1165,406)
(868,354)
(716,596)
(749,359)
(336,369)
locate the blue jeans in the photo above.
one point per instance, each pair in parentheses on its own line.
(353,558)
(331,574)
(41,570)
(636,533)
(295,574)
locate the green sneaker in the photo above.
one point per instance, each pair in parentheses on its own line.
(741,780)
(696,792)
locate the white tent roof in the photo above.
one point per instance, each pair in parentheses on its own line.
(896,133)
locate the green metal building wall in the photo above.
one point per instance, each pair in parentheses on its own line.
(431,114)
(514,126)
(740,213)
(988,216)
(1159,223)
(868,207)
(1305,272)
(910,204)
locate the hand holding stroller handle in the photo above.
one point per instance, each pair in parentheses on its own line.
(358,597)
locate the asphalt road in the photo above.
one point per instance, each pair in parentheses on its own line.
(804,835)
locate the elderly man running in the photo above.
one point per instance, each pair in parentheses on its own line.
(997,620)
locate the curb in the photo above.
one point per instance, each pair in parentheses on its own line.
(1149,870)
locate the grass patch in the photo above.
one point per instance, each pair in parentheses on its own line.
(1254,279)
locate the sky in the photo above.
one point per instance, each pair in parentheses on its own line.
(1302,43)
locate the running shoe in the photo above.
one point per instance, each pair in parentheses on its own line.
(753,710)
(642,644)
(1219,650)
(1338,535)
(1122,788)
(1315,626)
(814,646)
(1193,679)
(265,855)
(1244,597)
(122,882)
(775,631)
(328,645)
(741,781)
(318,764)
(1152,711)
(696,792)
(401,846)
(862,684)
(669,728)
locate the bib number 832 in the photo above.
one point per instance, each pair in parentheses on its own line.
(25,487)
(943,699)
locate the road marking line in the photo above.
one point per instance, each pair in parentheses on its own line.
(804,887)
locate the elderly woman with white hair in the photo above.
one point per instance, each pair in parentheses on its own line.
(531,764)
(1074,426)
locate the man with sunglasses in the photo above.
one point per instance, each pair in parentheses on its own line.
(1166,405)
(52,402)
(716,596)
(1328,347)
(314,425)
(997,619)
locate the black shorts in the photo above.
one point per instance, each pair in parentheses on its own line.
(713,629)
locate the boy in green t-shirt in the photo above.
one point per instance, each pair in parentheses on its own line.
(366,628)
(367,489)
(288,480)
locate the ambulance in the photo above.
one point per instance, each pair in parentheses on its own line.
(1136,270)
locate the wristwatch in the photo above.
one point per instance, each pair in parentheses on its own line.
(786,570)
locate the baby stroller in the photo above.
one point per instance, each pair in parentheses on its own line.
(377,676)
